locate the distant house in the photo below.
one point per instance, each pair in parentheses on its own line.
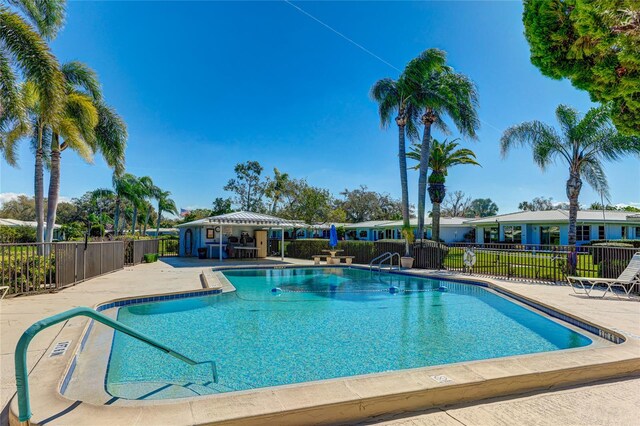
(552,227)
(452,229)
(57,229)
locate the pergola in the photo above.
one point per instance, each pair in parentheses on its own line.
(255,221)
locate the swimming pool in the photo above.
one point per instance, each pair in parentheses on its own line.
(321,323)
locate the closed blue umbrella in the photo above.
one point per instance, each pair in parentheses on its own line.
(333,236)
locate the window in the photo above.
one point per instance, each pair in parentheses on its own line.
(491,235)
(363,234)
(512,234)
(601,234)
(388,234)
(550,235)
(583,232)
(637,232)
(210,234)
(623,234)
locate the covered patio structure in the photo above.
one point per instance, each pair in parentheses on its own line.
(239,234)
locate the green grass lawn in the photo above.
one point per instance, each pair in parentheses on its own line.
(539,265)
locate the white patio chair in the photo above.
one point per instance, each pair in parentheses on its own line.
(628,279)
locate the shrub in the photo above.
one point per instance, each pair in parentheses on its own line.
(17,234)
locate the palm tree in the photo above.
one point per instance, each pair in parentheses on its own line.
(394,97)
(439,91)
(107,135)
(165,204)
(141,190)
(583,143)
(444,155)
(97,197)
(150,191)
(23,48)
(124,189)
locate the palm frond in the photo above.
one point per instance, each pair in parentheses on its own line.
(111,137)
(33,57)
(568,119)
(595,176)
(46,15)
(79,75)
(543,139)
(385,93)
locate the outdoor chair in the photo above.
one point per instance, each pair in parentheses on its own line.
(628,279)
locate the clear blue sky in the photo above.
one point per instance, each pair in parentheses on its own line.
(205,85)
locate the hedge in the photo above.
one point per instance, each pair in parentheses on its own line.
(634,243)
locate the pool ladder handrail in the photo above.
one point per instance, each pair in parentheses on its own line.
(22,375)
(387,256)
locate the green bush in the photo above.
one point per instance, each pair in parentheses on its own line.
(150,257)
(97,230)
(17,234)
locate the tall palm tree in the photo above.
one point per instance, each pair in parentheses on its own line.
(97,198)
(165,204)
(141,191)
(23,48)
(439,91)
(124,189)
(395,97)
(444,155)
(583,143)
(107,135)
(150,192)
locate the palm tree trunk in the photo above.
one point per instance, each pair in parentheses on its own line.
(133,220)
(39,190)
(54,187)
(402,156)
(146,220)
(574,185)
(116,217)
(425,154)
(159,218)
(435,227)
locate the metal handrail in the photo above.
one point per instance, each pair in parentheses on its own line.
(22,377)
(390,259)
(378,257)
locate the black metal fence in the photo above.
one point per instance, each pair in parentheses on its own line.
(168,246)
(38,267)
(532,262)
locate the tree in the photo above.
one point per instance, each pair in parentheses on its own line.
(444,155)
(439,91)
(196,214)
(221,206)
(275,187)
(537,204)
(24,49)
(583,143)
(595,45)
(456,204)
(21,208)
(142,189)
(361,205)
(302,201)
(124,187)
(248,186)
(394,97)
(165,204)
(105,133)
(482,207)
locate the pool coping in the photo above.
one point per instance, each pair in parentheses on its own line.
(347,399)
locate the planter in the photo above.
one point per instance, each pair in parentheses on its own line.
(406,262)
(150,257)
(202,253)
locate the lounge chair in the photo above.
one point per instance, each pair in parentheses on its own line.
(629,278)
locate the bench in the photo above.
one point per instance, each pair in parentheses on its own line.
(318,257)
(347,259)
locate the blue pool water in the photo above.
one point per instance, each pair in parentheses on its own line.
(324,323)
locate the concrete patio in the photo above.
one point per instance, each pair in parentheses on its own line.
(617,401)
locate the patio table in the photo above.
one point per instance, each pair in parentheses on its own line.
(332,259)
(244,252)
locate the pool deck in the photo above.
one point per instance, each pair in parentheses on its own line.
(617,401)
